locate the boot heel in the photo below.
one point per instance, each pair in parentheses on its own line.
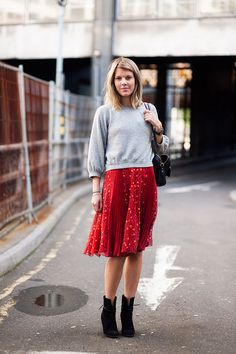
(108,318)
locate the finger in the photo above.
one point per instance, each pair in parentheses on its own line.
(100,205)
(94,206)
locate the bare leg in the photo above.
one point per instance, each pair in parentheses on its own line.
(132,271)
(113,274)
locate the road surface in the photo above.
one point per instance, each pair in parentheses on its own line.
(186,301)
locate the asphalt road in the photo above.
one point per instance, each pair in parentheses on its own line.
(186,301)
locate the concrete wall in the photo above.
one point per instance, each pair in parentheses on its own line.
(41,41)
(206,36)
(183,37)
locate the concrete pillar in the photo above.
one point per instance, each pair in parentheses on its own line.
(161,94)
(102,44)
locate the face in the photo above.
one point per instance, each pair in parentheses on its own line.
(124,82)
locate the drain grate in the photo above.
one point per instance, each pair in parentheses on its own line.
(50,300)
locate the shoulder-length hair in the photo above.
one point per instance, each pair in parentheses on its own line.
(111,95)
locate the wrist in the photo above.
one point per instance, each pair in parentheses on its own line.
(158,132)
(96,191)
(159,139)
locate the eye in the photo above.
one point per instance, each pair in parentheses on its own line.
(118,78)
(129,77)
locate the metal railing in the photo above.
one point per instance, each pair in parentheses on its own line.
(44,136)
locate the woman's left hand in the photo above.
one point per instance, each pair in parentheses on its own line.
(151,118)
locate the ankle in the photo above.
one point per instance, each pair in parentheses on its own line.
(129,296)
(111,298)
(128,300)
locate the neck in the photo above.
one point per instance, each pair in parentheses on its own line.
(126,101)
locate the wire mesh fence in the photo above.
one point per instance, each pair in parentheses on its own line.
(44,136)
(37,113)
(77,136)
(13,194)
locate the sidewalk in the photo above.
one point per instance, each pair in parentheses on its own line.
(24,239)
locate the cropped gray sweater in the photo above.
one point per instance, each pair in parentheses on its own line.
(121,139)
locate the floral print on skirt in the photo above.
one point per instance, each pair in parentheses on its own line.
(124,226)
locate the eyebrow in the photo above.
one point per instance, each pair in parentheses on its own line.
(119,76)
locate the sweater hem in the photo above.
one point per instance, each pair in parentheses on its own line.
(128,165)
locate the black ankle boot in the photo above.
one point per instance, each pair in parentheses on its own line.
(126,317)
(108,317)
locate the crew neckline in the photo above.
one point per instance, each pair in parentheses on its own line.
(127,107)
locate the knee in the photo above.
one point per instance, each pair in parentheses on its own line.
(135,257)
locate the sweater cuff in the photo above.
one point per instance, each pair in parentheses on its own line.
(94,174)
(163,146)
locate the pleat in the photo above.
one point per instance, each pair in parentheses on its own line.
(129,211)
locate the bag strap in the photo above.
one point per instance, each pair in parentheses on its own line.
(147,106)
(153,141)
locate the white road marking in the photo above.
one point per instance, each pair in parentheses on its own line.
(56,352)
(5,308)
(48,352)
(51,255)
(202,187)
(154,290)
(233,195)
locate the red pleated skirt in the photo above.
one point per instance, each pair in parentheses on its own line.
(124,226)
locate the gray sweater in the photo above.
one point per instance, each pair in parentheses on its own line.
(121,139)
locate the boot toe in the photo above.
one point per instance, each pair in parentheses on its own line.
(112,334)
(128,333)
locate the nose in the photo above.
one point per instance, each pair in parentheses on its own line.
(123,81)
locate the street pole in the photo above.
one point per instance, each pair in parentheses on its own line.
(59,62)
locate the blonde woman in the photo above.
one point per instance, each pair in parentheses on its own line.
(126,205)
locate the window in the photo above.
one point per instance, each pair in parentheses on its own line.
(149,75)
(179,76)
(43,10)
(47,10)
(147,9)
(177,8)
(136,8)
(217,7)
(80,10)
(12,12)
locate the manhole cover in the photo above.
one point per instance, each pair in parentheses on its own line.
(50,300)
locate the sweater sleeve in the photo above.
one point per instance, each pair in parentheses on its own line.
(97,144)
(162,148)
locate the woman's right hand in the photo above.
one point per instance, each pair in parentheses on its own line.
(97,202)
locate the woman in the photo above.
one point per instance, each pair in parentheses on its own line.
(126,206)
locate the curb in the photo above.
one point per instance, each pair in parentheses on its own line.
(15,255)
(233,196)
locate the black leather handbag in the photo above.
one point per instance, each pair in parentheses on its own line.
(162,168)
(161,163)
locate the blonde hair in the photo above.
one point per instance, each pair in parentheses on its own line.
(111,95)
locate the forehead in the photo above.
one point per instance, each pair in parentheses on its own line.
(123,72)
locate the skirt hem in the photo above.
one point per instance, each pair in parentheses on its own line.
(122,254)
